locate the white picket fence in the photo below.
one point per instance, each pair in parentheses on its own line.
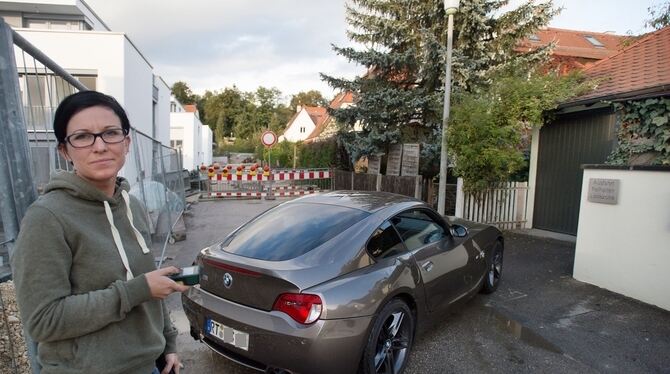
(504,207)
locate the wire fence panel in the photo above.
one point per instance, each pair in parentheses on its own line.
(156,180)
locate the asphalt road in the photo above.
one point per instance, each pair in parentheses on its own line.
(539,320)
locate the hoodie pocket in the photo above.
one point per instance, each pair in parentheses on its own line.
(58,353)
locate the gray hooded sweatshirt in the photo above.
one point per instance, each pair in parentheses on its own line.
(79,267)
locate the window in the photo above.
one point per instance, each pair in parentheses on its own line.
(88,81)
(385,242)
(173,107)
(302,129)
(417,228)
(176,143)
(291,230)
(594,41)
(55,24)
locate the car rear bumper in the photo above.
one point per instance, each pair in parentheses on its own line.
(276,340)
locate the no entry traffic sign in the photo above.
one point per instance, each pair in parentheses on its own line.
(268,138)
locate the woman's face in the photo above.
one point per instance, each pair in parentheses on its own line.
(100,162)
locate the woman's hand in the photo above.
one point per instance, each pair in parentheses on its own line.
(171,363)
(160,285)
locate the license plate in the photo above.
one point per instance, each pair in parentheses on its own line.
(227,334)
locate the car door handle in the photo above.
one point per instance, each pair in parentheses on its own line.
(427,266)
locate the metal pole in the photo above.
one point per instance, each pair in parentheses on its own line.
(441,200)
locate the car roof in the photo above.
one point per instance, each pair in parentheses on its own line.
(369,201)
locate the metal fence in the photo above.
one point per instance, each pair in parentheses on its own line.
(31,87)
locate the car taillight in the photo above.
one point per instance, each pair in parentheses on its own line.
(304,308)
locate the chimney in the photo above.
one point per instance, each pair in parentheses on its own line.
(298,108)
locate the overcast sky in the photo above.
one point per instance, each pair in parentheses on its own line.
(212,44)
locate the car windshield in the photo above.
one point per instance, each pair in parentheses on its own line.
(291,230)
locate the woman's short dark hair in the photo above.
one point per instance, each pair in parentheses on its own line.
(81,100)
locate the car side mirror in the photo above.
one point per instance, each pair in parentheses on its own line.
(458,231)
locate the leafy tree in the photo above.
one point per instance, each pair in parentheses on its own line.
(309,98)
(489,129)
(222,109)
(182,92)
(269,113)
(660,16)
(400,98)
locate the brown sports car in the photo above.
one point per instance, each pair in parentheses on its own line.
(338,282)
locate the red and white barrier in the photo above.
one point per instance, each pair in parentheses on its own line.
(262,194)
(281,176)
(233,185)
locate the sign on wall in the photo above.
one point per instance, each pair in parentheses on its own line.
(603,191)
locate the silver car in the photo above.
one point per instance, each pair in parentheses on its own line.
(338,282)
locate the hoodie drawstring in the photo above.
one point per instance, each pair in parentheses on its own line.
(117,236)
(138,235)
(117,241)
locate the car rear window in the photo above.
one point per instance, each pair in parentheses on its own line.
(291,230)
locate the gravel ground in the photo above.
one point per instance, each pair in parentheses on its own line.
(13,355)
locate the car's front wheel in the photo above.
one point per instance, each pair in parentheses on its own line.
(494,272)
(390,340)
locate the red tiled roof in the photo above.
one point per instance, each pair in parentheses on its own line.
(346,97)
(319,116)
(573,43)
(191,108)
(643,65)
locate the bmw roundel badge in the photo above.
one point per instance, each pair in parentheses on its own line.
(227,280)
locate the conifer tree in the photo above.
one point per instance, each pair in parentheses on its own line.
(403,42)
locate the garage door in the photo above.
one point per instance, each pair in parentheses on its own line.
(566,143)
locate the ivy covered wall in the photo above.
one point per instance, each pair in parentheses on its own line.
(644,133)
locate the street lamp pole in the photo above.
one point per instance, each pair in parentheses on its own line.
(450,7)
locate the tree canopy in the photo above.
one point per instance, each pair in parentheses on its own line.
(182,92)
(660,15)
(309,98)
(238,114)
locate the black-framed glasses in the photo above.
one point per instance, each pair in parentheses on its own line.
(87,139)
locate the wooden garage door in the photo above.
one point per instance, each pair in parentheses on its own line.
(565,144)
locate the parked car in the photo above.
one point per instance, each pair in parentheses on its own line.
(337,282)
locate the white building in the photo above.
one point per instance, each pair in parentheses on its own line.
(306,120)
(72,35)
(190,135)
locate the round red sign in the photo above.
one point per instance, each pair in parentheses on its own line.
(268,138)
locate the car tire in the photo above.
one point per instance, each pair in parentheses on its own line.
(494,269)
(390,340)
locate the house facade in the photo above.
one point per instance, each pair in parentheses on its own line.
(303,123)
(71,34)
(190,135)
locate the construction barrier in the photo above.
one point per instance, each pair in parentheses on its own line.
(251,184)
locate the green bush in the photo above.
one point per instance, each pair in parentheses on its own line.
(239,146)
(313,155)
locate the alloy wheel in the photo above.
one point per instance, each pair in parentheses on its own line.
(495,270)
(392,344)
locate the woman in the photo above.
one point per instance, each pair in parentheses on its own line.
(88,291)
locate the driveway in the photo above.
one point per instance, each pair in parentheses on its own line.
(539,320)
